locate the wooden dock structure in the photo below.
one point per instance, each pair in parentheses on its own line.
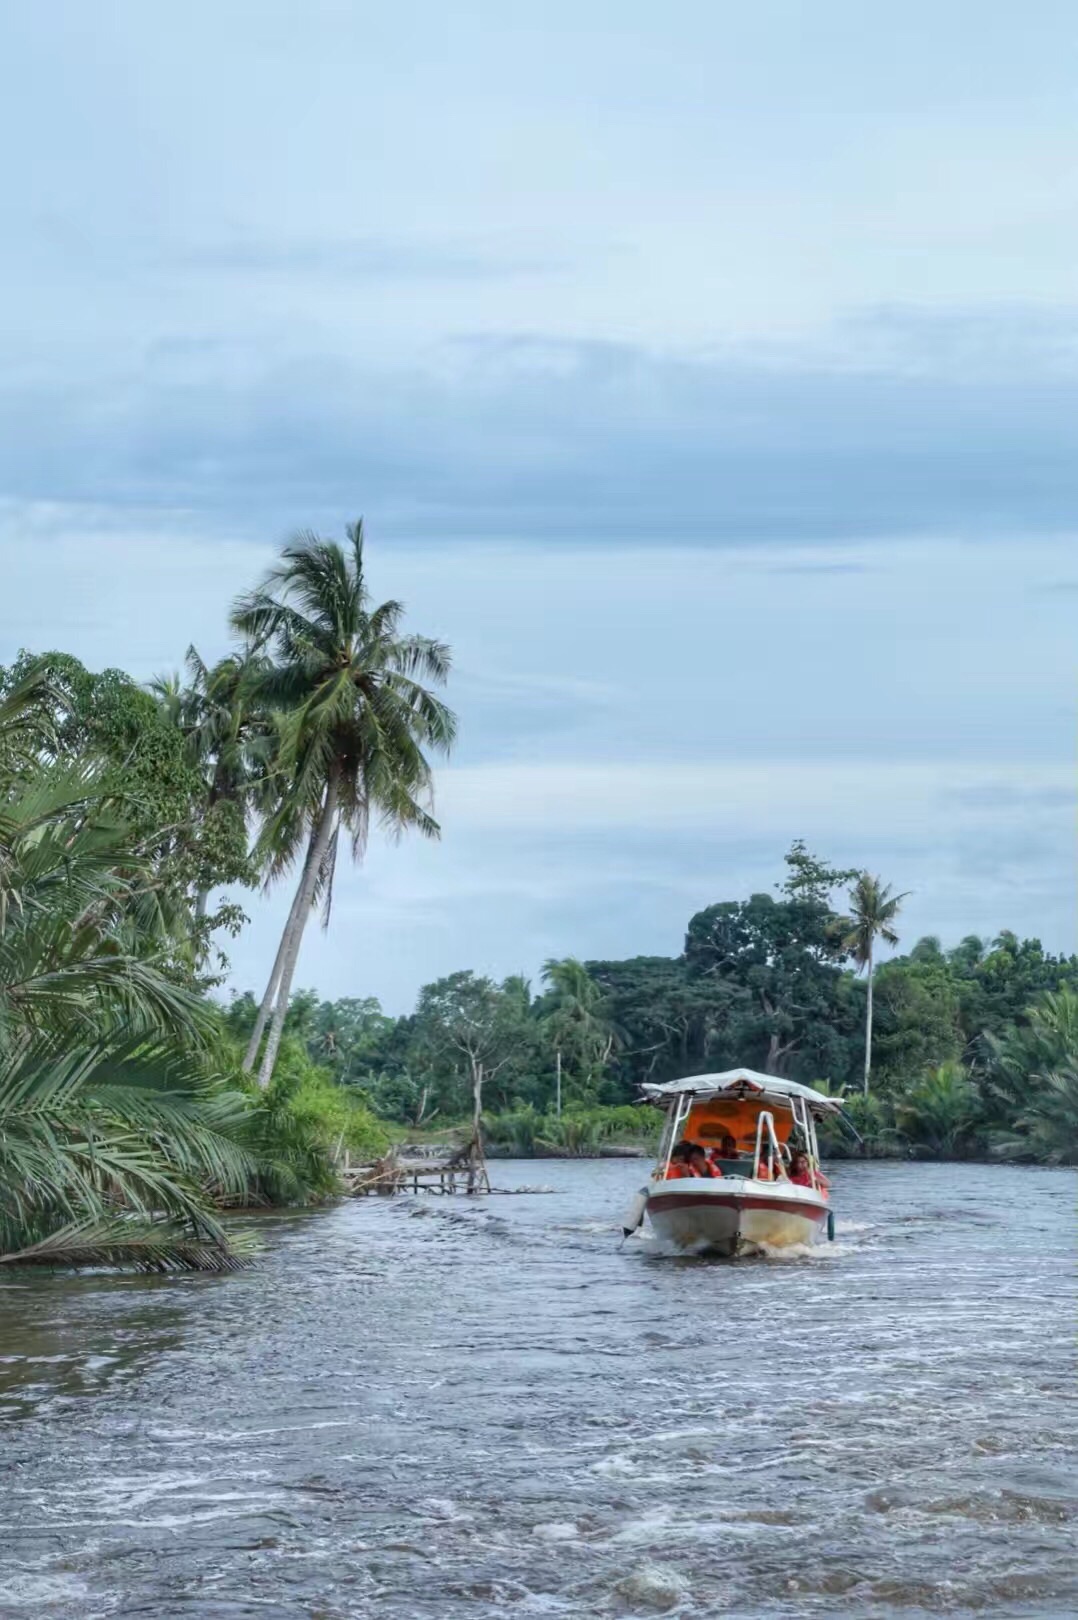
(363,1181)
(464,1170)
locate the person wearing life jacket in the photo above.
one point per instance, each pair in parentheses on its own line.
(679,1162)
(700,1164)
(772,1167)
(801,1174)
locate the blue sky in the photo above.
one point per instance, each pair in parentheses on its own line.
(705,376)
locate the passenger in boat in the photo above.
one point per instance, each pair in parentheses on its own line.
(801,1174)
(700,1163)
(727,1149)
(766,1169)
(679,1162)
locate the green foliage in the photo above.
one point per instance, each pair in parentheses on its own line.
(938,1115)
(299,1128)
(150,782)
(873,1118)
(763,982)
(1029,1083)
(124,1122)
(918,1022)
(873,910)
(576,1027)
(809,878)
(470,1033)
(116,1137)
(525,1133)
(778,965)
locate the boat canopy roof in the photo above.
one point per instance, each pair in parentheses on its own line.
(742,1083)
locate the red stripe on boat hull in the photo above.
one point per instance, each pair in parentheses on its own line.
(810,1212)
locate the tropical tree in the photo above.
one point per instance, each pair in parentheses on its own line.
(1045,1129)
(148,778)
(1029,1083)
(938,1115)
(574,1020)
(352,717)
(774,969)
(115,1137)
(228,743)
(873,909)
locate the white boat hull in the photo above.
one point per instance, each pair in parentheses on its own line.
(734,1215)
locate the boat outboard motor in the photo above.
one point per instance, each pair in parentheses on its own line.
(634,1215)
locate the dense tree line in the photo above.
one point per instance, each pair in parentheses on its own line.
(974,1049)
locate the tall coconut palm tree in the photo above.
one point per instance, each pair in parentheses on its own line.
(873,909)
(574,1018)
(353,718)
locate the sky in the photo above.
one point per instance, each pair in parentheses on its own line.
(705,375)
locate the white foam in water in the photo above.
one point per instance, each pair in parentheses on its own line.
(557,1530)
(653,1587)
(806,1251)
(658,1525)
(620,1466)
(45,1591)
(443,1507)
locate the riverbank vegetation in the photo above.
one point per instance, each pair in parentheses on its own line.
(974,1049)
(129,1120)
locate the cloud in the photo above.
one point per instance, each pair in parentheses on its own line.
(541,440)
(834,799)
(362,258)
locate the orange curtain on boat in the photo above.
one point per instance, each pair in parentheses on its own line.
(708,1122)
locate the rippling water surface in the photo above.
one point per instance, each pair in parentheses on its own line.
(427,1407)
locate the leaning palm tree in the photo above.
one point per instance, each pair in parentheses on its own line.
(873,909)
(352,718)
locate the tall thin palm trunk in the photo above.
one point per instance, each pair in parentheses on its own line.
(868,1025)
(293,934)
(266,1007)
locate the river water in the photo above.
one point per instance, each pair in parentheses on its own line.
(436,1408)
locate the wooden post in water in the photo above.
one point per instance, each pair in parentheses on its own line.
(478,1180)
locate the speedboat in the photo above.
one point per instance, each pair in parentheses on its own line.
(749,1122)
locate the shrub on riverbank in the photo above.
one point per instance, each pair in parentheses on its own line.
(300,1128)
(577,1133)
